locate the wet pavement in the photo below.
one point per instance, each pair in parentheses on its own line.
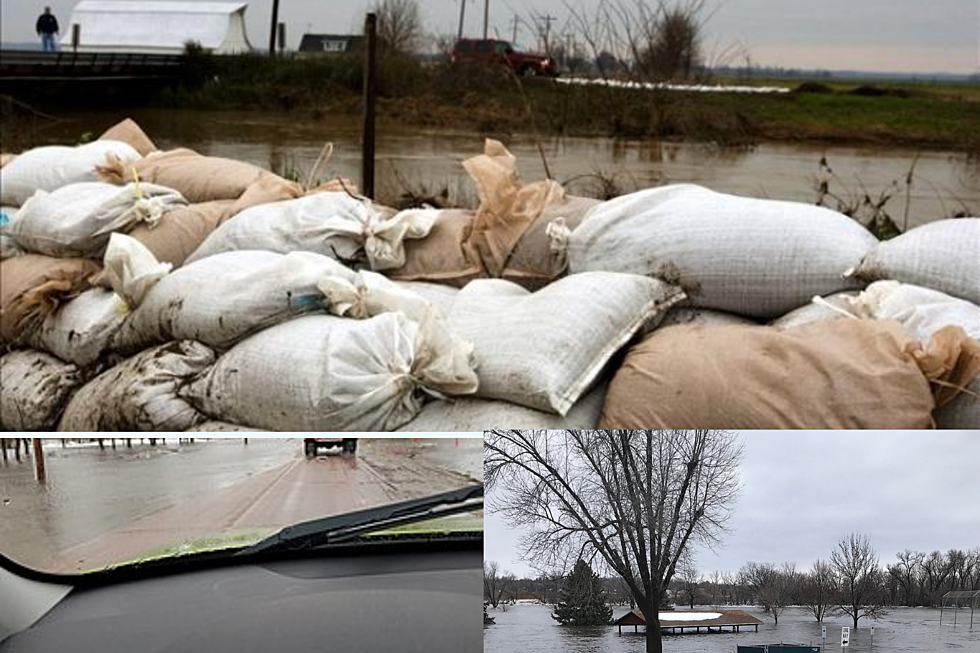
(103,507)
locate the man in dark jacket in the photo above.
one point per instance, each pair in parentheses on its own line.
(47,27)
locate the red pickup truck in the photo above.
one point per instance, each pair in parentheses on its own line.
(494,51)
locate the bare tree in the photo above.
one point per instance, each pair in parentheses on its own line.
(778,589)
(495,583)
(859,578)
(399,26)
(687,574)
(818,590)
(631,500)
(756,576)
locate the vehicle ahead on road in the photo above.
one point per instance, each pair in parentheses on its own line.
(401,577)
(312,445)
(492,51)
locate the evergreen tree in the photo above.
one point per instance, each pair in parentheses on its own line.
(487,619)
(582,601)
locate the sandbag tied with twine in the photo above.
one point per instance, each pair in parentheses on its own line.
(221,299)
(545,349)
(77,220)
(941,255)
(141,393)
(326,373)
(338,225)
(759,258)
(950,361)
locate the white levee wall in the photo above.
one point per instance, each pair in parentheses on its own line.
(158,27)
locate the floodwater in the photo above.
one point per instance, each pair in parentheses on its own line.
(428,160)
(107,506)
(530,629)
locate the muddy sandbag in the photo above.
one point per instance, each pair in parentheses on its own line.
(127,131)
(337,225)
(32,286)
(198,178)
(941,255)
(77,220)
(850,374)
(141,393)
(540,256)
(221,299)
(325,373)
(36,387)
(50,167)
(760,258)
(831,307)
(445,255)
(440,296)
(81,330)
(214,426)
(464,414)
(545,349)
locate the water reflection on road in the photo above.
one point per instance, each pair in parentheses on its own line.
(530,629)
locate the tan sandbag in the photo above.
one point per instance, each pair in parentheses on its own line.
(32,286)
(129,132)
(267,188)
(850,374)
(540,255)
(507,206)
(6,158)
(198,178)
(445,255)
(951,361)
(180,231)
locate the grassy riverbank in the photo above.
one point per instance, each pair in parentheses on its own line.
(944,116)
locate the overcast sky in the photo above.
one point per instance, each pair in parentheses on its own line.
(880,35)
(804,490)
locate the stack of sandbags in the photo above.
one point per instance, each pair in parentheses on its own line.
(51,167)
(35,388)
(337,225)
(940,255)
(544,350)
(757,258)
(851,373)
(77,219)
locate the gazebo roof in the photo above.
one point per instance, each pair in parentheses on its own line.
(686,619)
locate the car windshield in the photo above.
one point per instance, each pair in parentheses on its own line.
(110,502)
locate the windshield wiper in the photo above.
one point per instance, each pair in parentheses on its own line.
(340,528)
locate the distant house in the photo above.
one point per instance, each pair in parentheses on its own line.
(326,44)
(151,27)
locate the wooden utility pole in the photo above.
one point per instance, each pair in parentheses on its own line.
(282,38)
(515,21)
(462,14)
(370,89)
(39,472)
(486,18)
(272,29)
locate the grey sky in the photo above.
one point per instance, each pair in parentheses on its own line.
(881,35)
(804,490)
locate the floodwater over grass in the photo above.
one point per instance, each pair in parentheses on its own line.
(426,161)
(530,629)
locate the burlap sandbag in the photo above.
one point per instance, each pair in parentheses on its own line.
(6,158)
(198,178)
(541,254)
(445,255)
(129,132)
(850,374)
(181,231)
(32,286)
(266,189)
(35,387)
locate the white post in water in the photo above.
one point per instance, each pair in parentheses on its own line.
(872,636)
(845,637)
(823,635)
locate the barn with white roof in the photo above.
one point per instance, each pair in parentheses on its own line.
(152,27)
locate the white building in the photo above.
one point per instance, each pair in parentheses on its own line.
(157,27)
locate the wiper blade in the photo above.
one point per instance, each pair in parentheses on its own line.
(341,528)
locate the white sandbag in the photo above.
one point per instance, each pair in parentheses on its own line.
(545,349)
(325,373)
(8,246)
(36,387)
(441,296)
(221,299)
(334,224)
(50,167)
(831,307)
(760,258)
(941,255)
(922,311)
(464,414)
(703,317)
(131,268)
(81,330)
(77,220)
(140,393)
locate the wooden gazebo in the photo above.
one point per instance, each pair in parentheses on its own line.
(713,621)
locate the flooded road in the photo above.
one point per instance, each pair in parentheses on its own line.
(427,160)
(530,629)
(102,507)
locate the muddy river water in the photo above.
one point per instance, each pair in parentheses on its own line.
(428,160)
